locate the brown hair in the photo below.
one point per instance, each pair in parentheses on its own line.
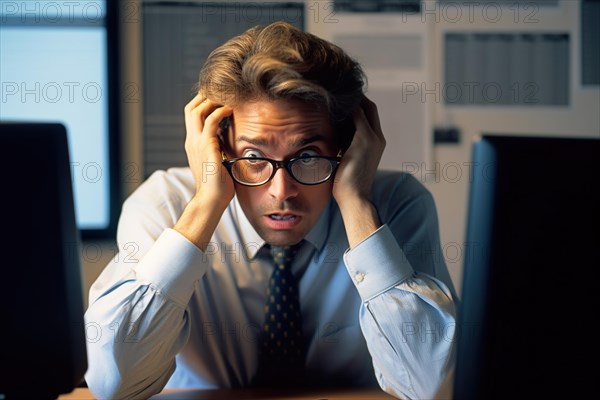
(279,61)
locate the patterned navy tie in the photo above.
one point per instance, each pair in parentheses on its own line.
(282,348)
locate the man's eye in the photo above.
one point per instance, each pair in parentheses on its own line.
(252,153)
(308,153)
(306,158)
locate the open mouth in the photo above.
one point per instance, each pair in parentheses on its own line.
(280,217)
(282,221)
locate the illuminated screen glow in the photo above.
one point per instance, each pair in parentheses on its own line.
(53,68)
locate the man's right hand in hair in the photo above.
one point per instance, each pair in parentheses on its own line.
(214,186)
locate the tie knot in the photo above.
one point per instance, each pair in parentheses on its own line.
(283,255)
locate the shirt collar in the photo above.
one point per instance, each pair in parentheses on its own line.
(253,242)
(317,235)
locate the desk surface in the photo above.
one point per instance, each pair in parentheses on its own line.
(248,394)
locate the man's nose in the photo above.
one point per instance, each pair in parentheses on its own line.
(283,186)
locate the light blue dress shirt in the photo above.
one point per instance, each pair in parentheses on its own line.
(165,314)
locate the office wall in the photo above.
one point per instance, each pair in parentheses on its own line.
(442,167)
(578,118)
(540,104)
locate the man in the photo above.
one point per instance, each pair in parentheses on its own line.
(283,149)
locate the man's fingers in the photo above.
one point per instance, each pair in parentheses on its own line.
(211,123)
(193,121)
(198,111)
(206,108)
(360,121)
(368,130)
(195,102)
(371,114)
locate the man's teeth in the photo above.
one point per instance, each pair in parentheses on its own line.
(282,218)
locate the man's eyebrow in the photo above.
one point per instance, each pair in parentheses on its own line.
(307,140)
(303,141)
(253,141)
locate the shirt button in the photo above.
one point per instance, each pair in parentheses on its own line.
(359,277)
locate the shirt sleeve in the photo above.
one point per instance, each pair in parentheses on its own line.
(137,320)
(408,313)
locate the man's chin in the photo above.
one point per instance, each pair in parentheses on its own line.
(282,238)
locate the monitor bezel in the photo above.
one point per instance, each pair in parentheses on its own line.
(114,121)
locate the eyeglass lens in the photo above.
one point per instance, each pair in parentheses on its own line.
(307,170)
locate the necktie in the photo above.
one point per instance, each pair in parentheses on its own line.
(281,345)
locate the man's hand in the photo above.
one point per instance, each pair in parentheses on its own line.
(203,149)
(214,186)
(356,173)
(354,177)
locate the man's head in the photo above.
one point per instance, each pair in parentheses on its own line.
(281,62)
(293,95)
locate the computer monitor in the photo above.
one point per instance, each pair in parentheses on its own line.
(59,61)
(42,338)
(533,235)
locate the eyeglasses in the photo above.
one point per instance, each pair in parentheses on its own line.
(307,170)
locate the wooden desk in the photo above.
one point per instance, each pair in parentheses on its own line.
(250,394)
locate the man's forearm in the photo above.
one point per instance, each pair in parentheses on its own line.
(360,219)
(199,221)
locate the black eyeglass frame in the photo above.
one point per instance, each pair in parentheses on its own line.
(287,164)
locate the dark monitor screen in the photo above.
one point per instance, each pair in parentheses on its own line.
(42,339)
(533,234)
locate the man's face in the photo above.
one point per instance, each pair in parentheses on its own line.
(282,211)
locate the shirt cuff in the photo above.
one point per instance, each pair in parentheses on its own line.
(377,263)
(173,265)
